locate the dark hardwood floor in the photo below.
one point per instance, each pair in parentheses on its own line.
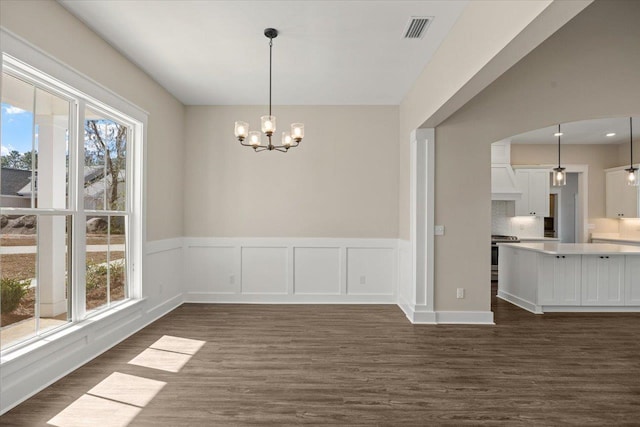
(367,365)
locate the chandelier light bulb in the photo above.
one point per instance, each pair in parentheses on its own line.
(241,130)
(268,124)
(631,177)
(255,139)
(297,131)
(286,139)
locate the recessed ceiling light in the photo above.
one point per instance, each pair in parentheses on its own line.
(611,134)
(558,134)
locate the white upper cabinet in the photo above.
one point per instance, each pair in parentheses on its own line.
(534,184)
(621,199)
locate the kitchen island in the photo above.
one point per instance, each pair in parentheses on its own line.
(570,277)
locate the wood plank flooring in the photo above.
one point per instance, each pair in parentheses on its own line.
(367,365)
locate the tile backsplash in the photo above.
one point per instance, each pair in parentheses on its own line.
(503,222)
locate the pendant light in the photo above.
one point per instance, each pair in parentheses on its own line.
(559,174)
(289,140)
(632,172)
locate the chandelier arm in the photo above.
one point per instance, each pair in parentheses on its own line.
(259,149)
(280,149)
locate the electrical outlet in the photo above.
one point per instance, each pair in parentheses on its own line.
(363,280)
(232,279)
(438,230)
(460,293)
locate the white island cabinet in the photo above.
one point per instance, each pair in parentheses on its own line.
(545,277)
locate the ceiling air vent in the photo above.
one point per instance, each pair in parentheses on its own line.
(417,26)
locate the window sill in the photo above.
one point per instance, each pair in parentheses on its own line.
(83,327)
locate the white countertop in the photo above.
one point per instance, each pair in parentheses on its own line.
(621,240)
(576,248)
(538,239)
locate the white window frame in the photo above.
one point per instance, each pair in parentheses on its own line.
(22,59)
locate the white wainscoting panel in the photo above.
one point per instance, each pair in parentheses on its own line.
(290,270)
(316,271)
(371,271)
(212,270)
(264,270)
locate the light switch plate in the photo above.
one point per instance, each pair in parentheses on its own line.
(438,230)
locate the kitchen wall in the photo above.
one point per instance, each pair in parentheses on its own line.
(342,181)
(569,77)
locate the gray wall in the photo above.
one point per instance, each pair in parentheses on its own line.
(342,181)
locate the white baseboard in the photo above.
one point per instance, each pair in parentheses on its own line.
(218,298)
(593,309)
(465,317)
(522,303)
(417,314)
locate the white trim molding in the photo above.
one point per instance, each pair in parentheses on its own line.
(465,317)
(418,298)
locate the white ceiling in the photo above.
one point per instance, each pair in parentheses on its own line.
(327,53)
(583,132)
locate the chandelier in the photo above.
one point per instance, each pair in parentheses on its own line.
(268,123)
(559,174)
(632,172)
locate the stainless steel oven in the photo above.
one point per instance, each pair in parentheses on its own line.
(495,239)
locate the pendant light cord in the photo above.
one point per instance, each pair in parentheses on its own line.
(270,61)
(558,146)
(631,140)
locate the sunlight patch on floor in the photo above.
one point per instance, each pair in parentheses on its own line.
(168,353)
(89,411)
(129,389)
(119,398)
(178,345)
(160,359)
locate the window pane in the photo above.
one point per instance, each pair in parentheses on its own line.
(18,249)
(51,150)
(105,152)
(106,261)
(35,287)
(117,259)
(17,139)
(97,276)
